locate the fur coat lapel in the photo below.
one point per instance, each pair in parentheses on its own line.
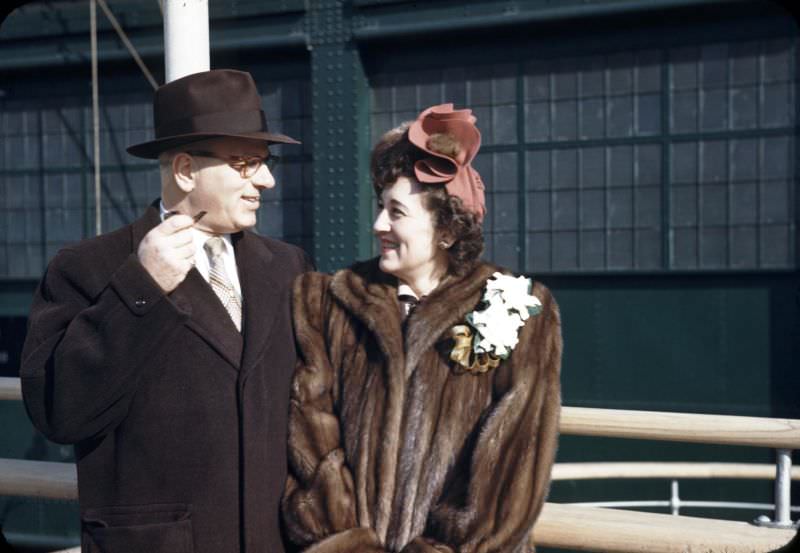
(370,295)
(445,307)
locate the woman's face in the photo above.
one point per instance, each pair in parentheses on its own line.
(407,234)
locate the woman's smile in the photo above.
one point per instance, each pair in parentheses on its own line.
(388,245)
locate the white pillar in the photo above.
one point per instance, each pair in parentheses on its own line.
(186,48)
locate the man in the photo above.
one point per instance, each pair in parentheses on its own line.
(164,350)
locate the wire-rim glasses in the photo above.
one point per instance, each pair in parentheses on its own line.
(247,166)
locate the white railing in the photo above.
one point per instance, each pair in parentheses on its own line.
(42,479)
(10,389)
(682,427)
(781,434)
(579,527)
(585,528)
(671,470)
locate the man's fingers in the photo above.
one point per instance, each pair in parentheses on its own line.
(176,223)
(185,252)
(181,238)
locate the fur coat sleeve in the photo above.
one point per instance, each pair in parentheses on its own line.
(482,471)
(319,502)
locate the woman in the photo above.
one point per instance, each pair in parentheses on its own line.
(427,428)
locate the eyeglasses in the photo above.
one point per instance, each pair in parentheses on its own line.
(247,166)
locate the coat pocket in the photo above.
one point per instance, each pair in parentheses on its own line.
(155,528)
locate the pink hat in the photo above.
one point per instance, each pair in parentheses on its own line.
(455,170)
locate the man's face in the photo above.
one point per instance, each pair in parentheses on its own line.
(231,202)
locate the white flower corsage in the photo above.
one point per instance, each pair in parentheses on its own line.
(492,331)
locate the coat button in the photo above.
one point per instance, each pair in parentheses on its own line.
(140,302)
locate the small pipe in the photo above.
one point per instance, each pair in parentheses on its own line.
(70,53)
(371,30)
(98,206)
(128,44)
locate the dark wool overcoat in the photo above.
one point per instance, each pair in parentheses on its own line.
(178,420)
(391,448)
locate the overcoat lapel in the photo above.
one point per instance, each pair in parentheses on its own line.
(209,319)
(261,294)
(207,316)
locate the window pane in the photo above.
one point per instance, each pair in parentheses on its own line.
(593,254)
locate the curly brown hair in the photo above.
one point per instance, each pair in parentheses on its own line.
(393,157)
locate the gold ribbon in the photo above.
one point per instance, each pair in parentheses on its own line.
(462,353)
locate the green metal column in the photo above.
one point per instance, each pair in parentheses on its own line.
(340,108)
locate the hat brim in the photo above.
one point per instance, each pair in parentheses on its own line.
(154,148)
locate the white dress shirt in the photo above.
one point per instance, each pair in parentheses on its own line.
(201,261)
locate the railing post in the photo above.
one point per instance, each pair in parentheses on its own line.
(783,486)
(674,499)
(783,492)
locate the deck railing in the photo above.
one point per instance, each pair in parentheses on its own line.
(579,527)
(10,389)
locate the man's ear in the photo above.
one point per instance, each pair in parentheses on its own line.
(183,171)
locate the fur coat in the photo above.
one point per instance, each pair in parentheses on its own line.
(390,449)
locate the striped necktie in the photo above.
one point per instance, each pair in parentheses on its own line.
(219,281)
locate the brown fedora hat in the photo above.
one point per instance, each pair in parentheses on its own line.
(211,104)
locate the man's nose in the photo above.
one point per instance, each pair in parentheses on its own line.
(381,223)
(263,177)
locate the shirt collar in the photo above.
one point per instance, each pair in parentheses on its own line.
(162,210)
(406,290)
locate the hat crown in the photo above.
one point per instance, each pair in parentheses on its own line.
(221,103)
(215,91)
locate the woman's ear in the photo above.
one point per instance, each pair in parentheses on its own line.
(445,240)
(183,171)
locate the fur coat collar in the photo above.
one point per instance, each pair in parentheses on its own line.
(369,294)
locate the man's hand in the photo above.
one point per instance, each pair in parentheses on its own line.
(167,251)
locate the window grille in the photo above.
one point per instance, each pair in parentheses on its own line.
(672,158)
